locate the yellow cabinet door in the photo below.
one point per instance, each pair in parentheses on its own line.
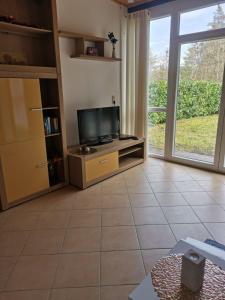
(25,169)
(101,166)
(21,116)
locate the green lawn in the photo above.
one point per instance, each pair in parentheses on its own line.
(195,135)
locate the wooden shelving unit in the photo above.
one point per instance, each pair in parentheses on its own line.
(31,51)
(81,49)
(12,28)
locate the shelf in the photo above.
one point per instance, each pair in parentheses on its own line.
(98,58)
(52,134)
(22,30)
(28,71)
(130,162)
(125,152)
(88,38)
(50,108)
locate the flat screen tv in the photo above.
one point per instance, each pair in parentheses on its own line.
(99,125)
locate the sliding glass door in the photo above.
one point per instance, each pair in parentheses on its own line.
(186,102)
(198,100)
(158,84)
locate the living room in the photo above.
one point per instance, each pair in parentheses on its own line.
(112,147)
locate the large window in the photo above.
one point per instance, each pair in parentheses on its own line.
(186,102)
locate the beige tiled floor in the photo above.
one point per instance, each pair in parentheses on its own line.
(100,243)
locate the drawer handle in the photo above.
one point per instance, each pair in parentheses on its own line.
(42,165)
(102,162)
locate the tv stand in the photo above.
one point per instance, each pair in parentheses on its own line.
(108,160)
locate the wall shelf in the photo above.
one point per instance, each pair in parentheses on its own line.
(99,58)
(81,46)
(86,37)
(22,30)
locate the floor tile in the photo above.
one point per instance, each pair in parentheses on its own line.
(210,185)
(6,266)
(170,199)
(115,201)
(16,222)
(88,293)
(33,272)
(195,231)
(120,292)
(85,218)
(217,230)
(148,215)
(82,240)
(210,213)
(139,189)
(164,187)
(219,197)
(44,242)
(143,200)
(180,214)
(114,189)
(78,270)
(25,295)
(117,217)
(119,238)
(156,237)
(198,198)
(150,257)
(87,202)
(123,267)
(53,220)
(12,243)
(188,186)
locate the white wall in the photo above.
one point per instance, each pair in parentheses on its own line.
(87,84)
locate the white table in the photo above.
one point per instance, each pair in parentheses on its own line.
(145,291)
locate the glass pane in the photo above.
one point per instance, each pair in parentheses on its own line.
(198,100)
(158,85)
(209,18)
(156,133)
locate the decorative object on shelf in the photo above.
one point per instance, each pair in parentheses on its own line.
(113,41)
(166,279)
(51,125)
(12,58)
(92,51)
(192,273)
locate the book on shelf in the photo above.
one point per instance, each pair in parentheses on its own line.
(51,125)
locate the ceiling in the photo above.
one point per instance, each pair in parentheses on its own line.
(135,2)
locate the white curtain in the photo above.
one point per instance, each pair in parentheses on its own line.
(135,62)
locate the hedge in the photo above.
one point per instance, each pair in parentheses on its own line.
(196,99)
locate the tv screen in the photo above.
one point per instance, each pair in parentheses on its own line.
(98,124)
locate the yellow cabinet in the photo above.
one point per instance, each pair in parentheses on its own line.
(21,116)
(25,169)
(101,166)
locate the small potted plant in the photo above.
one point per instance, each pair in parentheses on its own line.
(113,40)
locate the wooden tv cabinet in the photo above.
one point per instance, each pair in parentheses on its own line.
(108,160)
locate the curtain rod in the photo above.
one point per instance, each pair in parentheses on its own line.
(147,5)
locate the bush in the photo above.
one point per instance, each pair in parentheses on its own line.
(195,99)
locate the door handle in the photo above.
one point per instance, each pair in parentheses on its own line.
(102,162)
(42,165)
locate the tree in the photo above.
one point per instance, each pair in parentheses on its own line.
(205,60)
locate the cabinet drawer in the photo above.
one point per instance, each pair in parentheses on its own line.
(101,166)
